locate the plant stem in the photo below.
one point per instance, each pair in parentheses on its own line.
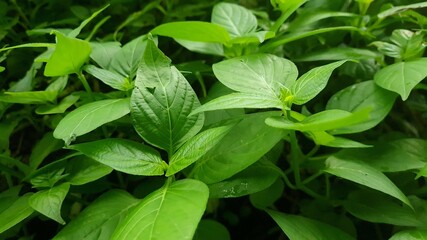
(82,78)
(202,83)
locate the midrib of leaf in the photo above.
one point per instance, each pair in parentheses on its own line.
(232,23)
(260,77)
(163,196)
(403,78)
(81,120)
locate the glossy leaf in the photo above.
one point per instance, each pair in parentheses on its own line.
(48,202)
(246,143)
(69,56)
(378,208)
(399,9)
(195,148)
(362,173)
(100,218)
(236,19)
(298,228)
(359,96)
(15,213)
(402,77)
(172,212)
(240,100)
(112,79)
(253,179)
(391,156)
(313,82)
(81,170)
(322,121)
(211,230)
(162,101)
(124,155)
(193,31)
(89,117)
(260,74)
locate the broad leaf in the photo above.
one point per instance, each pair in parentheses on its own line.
(81,170)
(240,100)
(400,9)
(362,173)
(402,77)
(246,143)
(236,19)
(268,196)
(172,212)
(322,121)
(48,202)
(34,97)
(299,228)
(89,117)
(378,208)
(253,179)
(15,213)
(259,74)
(195,148)
(104,52)
(127,59)
(325,139)
(124,155)
(162,101)
(112,79)
(359,96)
(69,56)
(193,31)
(313,82)
(100,218)
(43,148)
(202,47)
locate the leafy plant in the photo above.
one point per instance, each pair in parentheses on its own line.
(298,119)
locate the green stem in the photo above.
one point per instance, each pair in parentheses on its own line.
(295,157)
(82,79)
(202,83)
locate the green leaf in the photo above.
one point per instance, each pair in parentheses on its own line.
(202,47)
(103,53)
(48,202)
(2,69)
(338,53)
(77,30)
(43,148)
(112,79)
(391,156)
(313,82)
(240,100)
(195,148)
(193,31)
(81,170)
(402,77)
(400,9)
(171,212)
(359,96)
(259,74)
(325,139)
(69,56)
(89,117)
(162,101)
(413,234)
(322,121)
(100,218)
(236,19)
(34,97)
(364,174)
(253,179)
(15,213)
(127,59)
(65,103)
(211,230)
(378,208)
(124,155)
(302,228)
(246,143)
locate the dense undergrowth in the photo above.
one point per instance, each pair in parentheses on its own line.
(216,120)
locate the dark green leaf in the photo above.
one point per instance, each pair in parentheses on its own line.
(211,230)
(172,212)
(124,155)
(15,213)
(81,170)
(413,234)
